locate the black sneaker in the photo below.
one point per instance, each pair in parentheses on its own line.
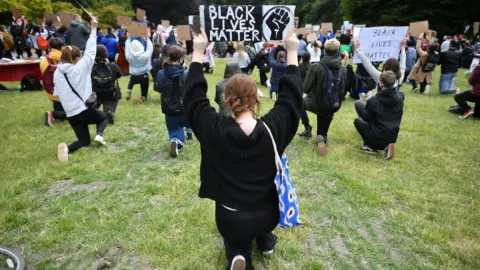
(367,149)
(189,136)
(307,133)
(389,152)
(174,149)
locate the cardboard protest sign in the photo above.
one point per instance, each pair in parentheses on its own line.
(327,27)
(141,13)
(380,43)
(316,28)
(65,18)
(123,20)
(247,23)
(432,33)
(136,29)
(296,22)
(166,24)
(183,32)
(475,62)
(476,26)
(417,28)
(17,13)
(52,17)
(303,31)
(194,22)
(311,37)
(308,26)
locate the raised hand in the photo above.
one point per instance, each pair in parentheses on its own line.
(403,45)
(93,22)
(357,45)
(200,43)
(277,22)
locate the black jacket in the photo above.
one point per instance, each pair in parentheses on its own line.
(384,113)
(450,61)
(231,69)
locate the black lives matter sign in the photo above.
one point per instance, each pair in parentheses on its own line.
(247,23)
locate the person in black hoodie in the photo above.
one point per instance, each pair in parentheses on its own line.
(237,159)
(380,117)
(450,61)
(231,69)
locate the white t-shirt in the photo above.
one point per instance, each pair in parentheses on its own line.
(314,56)
(244,61)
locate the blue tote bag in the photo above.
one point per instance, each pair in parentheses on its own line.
(287,198)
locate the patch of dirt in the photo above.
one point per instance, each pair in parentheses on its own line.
(114,147)
(339,246)
(377,226)
(65,187)
(365,234)
(140,132)
(159,158)
(105,258)
(396,255)
(327,221)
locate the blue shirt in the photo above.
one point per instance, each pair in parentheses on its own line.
(302,47)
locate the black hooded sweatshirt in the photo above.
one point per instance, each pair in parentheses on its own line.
(384,113)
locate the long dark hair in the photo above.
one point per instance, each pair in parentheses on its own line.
(393,65)
(102,55)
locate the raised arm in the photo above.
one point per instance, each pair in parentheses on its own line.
(374,73)
(403,59)
(420,52)
(284,117)
(201,116)
(86,63)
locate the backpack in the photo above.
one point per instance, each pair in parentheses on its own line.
(20,43)
(431,62)
(331,96)
(48,84)
(172,95)
(103,80)
(30,82)
(42,43)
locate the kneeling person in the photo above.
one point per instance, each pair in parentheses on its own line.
(171,84)
(380,117)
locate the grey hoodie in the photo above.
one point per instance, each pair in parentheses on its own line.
(77,34)
(230,69)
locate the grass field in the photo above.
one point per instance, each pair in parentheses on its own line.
(419,210)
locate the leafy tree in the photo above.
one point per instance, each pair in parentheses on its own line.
(107,15)
(65,7)
(174,10)
(30,8)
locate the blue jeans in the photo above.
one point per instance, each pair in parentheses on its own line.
(447,83)
(175,126)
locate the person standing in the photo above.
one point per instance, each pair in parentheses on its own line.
(262,64)
(472,96)
(73,86)
(48,65)
(140,64)
(237,160)
(418,74)
(36,33)
(77,33)
(450,61)
(325,88)
(171,85)
(446,43)
(18,34)
(301,48)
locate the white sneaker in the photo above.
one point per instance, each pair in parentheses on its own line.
(62,152)
(416,90)
(269,84)
(99,139)
(260,93)
(427,90)
(458,91)
(274,96)
(238,263)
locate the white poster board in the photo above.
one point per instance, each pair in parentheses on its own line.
(475,62)
(380,43)
(316,28)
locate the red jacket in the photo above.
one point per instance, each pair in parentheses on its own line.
(475,81)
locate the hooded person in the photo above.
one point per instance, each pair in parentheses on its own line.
(159,37)
(171,85)
(77,33)
(231,69)
(140,65)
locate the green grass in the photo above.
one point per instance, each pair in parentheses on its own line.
(419,210)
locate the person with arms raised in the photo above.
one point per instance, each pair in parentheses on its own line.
(140,64)
(238,161)
(73,85)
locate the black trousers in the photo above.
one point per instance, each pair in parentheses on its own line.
(324,119)
(58,111)
(263,77)
(305,120)
(362,127)
(143,80)
(239,229)
(108,106)
(423,85)
(462,99)
(80,124)
(245,70)
(38,52)
(20,53)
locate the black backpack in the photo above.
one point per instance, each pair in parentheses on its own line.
(20,43)
(431,62)
(30,82)
(172,95)
(103,78)
(332,93)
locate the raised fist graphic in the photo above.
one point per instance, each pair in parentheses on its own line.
(277,22)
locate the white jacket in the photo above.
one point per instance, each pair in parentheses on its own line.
(79,76)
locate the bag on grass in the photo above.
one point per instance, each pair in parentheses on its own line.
(287,198)
(30,82)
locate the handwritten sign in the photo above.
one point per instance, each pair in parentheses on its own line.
(123,20)
(311,37)
(141,13)
(308,26)
(327,26)
(380,43)
(417,28)
(17,13)
(66,17)
(52,17)
(247,23)
(183,32)
(316,28)
(476,25)
(136,29)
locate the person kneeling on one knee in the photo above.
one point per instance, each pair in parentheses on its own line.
(379,118)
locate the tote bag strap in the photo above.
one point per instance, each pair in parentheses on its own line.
(73,89)
(278,161)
